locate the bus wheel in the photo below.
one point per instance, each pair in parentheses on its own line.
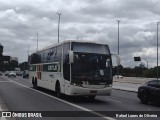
(32,80)
(35,83)
(58,90)
(92,97)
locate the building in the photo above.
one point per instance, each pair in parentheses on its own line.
(6,59)
(14,58)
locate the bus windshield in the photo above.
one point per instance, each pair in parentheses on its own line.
(92,63)
(93,68)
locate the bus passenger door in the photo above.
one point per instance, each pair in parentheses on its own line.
(66,75)
(66,67)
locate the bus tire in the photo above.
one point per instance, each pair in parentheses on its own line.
(32,80)
(35,84)
(58,90)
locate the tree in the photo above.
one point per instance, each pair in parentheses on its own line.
(120,70)
(2,66)
(129,72)
(13,64)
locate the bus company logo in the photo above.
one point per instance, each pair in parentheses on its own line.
(53,67)
(20,114)
(51,75)
(6,114)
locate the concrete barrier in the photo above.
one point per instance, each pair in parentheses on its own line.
(133,80)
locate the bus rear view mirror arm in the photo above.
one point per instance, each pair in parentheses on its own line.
(71,56)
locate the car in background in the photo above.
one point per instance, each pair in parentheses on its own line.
(0,73)
(19,73)
(150,92)
(25,74)
(6,73)
(12,74)
(118,76)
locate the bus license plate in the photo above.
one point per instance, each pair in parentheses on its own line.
(93,91)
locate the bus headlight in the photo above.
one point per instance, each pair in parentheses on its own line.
(76,84)
(108,85)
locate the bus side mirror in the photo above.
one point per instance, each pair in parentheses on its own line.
(118,60)
(71,57)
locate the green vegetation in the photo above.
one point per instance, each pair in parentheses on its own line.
(138,71)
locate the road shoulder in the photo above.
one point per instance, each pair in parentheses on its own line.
(3,107)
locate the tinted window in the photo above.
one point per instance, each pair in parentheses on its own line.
(52,54)
(158,84)
(42,57)
(46,56)
(90,48)
(58,54)
(154,83)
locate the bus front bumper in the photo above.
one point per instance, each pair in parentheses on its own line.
(81,91)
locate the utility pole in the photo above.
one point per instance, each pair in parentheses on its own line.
(28,58)
(118,34)
(157,48)
(118,45)
(147,65)
(59,14)
(28,49)
(37,42)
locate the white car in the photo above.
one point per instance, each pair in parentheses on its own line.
(12,74)
(118,76)
(6,73)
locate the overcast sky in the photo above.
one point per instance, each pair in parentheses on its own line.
(93,20)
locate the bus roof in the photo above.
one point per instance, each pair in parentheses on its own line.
(69,41)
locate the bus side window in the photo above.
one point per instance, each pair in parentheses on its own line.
(52,55)
(56,54)
(66,66)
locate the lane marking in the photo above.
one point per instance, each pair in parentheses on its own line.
(72,104)
(113,100)
(5,81)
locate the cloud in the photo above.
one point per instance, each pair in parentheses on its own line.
(84,20)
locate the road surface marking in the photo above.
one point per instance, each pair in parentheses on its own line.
(72,104)
(113,100)
(5,81)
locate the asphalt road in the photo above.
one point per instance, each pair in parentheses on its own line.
(18,95)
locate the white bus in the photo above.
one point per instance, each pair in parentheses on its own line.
(74,68)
